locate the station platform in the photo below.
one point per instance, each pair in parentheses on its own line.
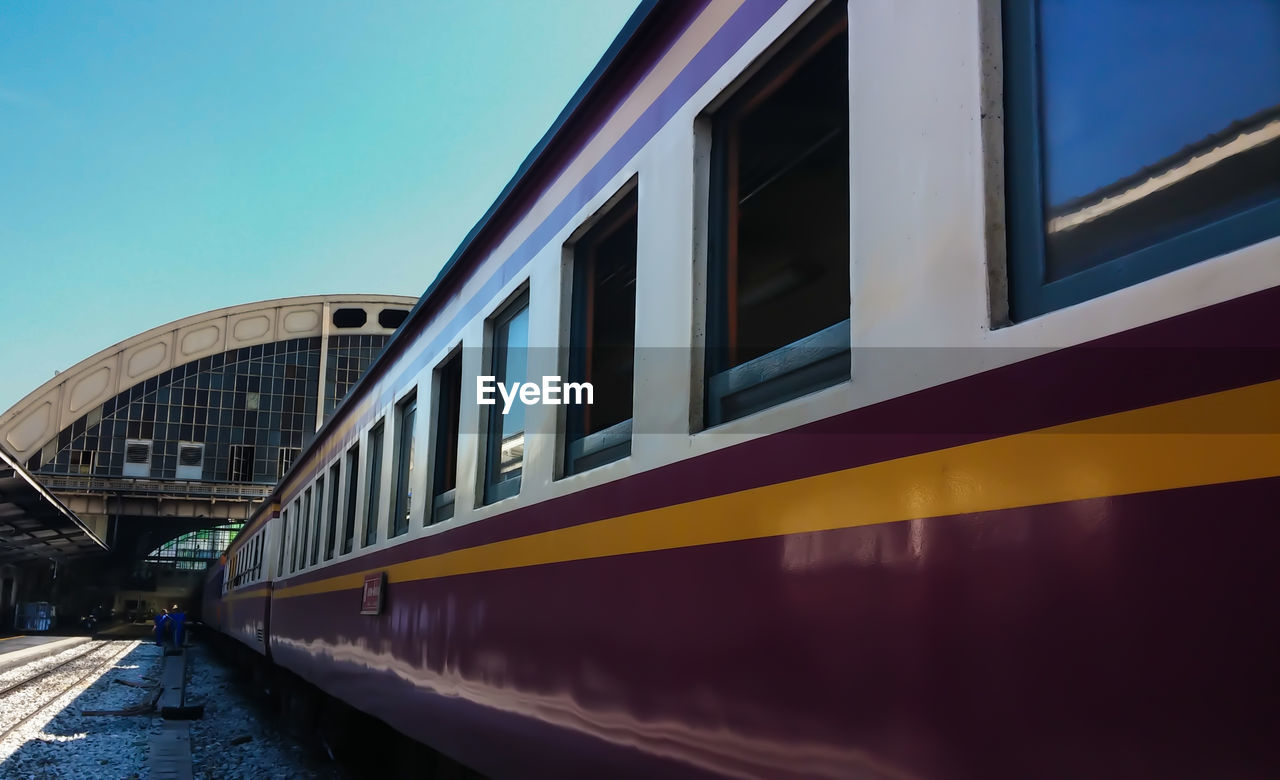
(15,650)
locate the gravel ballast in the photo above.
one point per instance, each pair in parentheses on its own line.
(235,739)
(60,742)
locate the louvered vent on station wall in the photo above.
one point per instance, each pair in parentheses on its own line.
(190,460)
(137,458)
(392,318)
(350,318)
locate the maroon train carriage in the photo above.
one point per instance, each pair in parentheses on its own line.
(825,545)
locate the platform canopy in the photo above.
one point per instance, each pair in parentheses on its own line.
(34,524)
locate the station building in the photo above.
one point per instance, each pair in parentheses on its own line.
(160,444)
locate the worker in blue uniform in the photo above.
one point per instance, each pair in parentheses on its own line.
(162,625)
(179,622)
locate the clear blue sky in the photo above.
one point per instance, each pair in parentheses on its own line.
(160,159)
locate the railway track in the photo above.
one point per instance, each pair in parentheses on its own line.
(91,661)
(7,689)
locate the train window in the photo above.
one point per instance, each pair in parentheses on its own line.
(1139,138)
(602,339)
(444,477)
(297,531)
(406,413)
(304,520)
(374,486)
(778,243)
(504,457)
(284,533)
(353,482)
(331,537)
(318,526)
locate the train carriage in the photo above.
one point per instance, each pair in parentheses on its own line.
(928,439)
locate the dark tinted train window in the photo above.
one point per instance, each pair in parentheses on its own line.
(374,486)
(353,483)
(319,522)
(349,318)
(448,411)
(392,318)
(504,461)
(305,527)
(406,414)
(602,339)
(284,536)
(778,252)
(331,538)
(1140,137)
(297,532)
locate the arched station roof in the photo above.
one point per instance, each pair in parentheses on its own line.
(69,396)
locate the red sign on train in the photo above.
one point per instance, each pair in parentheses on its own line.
(374,586)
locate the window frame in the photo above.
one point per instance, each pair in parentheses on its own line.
(284,533)
(240,455)
(814,362)
(319,520)
(402,459)
(494,492)
(305,517)
(335,493)
(447,418)
(581,452)
(352,502)
(1029,295)
(297,530)
(373,479)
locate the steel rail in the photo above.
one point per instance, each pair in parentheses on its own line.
(45,705)
(39,675)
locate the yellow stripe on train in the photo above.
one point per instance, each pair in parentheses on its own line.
(1138,451)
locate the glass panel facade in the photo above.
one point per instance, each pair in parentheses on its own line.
(194,550)
(349,356)
(252,409)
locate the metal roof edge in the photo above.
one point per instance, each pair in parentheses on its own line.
(62,508)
